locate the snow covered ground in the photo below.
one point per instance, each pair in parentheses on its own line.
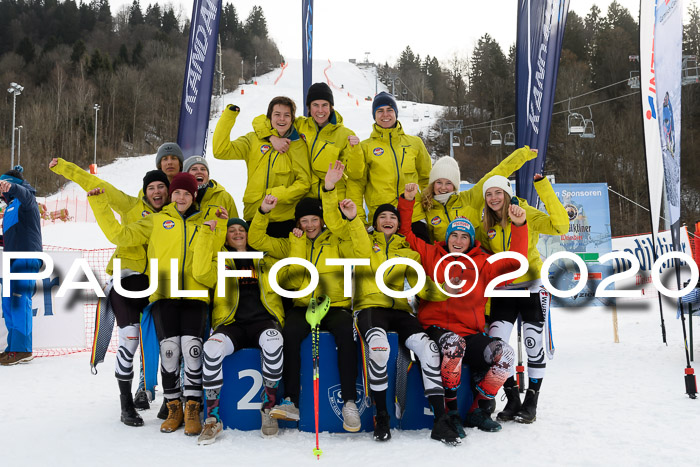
(601,403)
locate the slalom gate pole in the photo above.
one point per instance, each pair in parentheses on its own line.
(315,342)
(691,387)
(520,368)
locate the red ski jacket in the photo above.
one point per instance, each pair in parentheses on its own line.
(462,315)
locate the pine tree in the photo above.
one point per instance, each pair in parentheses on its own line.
(169,22)
(135,14)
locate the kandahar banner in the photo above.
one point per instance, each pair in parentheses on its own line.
(668,57)
(541,26)
(589,236)
(655,170)
(307,26)
(195,104)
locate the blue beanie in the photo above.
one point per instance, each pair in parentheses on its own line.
(382,99)
(463,225)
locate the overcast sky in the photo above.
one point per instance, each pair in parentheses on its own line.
(348,29)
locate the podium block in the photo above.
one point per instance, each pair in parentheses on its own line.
(240,401)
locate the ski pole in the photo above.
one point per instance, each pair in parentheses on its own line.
(315,338)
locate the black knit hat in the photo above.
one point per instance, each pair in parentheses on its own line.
(382,99)
(154,176)
(383,208)
(237,221)
(319,91)
(308,207)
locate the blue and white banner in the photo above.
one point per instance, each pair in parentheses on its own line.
(307,26)
(199,77)
(541,26)
(668,58)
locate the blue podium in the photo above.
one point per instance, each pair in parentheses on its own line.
(243,384)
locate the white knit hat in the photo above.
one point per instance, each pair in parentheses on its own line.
(498,181)
(446,167)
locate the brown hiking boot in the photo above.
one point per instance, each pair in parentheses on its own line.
(175,417)
(193,425)
(13,358)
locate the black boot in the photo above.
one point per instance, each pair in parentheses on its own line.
(381,427)
(528,411)
(129,415)
(141,400)
(444,431)
(512,406)
(163,412)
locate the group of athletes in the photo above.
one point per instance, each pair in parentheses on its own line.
(308,182)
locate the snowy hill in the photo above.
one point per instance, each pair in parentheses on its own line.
(351,85)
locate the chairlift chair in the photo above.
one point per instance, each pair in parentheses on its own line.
(633,82)
(509,139)
(496,138)
(575,122)
(415,115)
(455,141)
(588,129)
(426,114)
(468,140)
(588,126)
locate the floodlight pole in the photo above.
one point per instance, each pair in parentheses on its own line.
(96,107)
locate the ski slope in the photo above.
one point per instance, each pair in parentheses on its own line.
(127,173)
(601,403)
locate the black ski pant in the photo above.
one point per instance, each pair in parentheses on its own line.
(338,321)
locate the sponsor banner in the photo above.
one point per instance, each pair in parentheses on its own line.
(589,236)
(667,65)
(641,247)
(58,322)
(307,23)
(195,104)
(540,32)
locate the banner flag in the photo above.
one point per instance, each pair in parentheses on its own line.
(307,23)
(195,104)
(540,32)
(668,61)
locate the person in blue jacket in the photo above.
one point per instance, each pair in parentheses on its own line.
(21,232)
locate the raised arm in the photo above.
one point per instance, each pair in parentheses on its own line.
(475,197)
(518,244)
(222,146)
(257,234)
(556,222)
(134,234)
(117,199)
